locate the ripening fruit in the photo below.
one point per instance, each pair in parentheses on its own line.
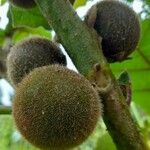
(119,27)
(30,54)
(56,108)
(23,3)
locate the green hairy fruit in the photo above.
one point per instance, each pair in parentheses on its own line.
(56,108)
(23,3)
(119,27)
(32,53)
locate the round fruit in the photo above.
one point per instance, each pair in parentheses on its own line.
(119,27)
(30,54)
(55,108)
(23,3)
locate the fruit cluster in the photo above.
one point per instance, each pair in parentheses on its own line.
(55,107)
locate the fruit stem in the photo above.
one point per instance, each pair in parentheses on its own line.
(82,45)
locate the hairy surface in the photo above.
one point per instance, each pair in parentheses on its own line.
(55,107)
(32,53)
(119,27)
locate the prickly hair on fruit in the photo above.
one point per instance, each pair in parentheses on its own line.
(23,3)
(119,27)
(32,53)
(56,108)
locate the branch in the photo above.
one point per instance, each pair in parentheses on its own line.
(5,110)
(82,45)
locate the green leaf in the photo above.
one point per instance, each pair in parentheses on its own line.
(22,33)
(31,18)
(130,1)
(147,2)
(105,143)
(10,139)
(2,36)
(79,3)
(5,130)
(124,78)
(2,2)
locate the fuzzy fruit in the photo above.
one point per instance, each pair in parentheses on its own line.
(56,108)
(119,27)
(32,53)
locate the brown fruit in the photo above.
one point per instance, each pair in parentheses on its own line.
(119,27)
(32,53)
(56,108)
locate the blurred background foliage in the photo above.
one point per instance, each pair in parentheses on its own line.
(22,24)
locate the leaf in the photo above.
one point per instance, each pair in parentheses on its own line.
(10,139)
(147,2)
(130,1)
(139,69)
(22,33)
(31,18)
(105,143)
(2,2)
(79,3)
(5,130)
(2,36)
